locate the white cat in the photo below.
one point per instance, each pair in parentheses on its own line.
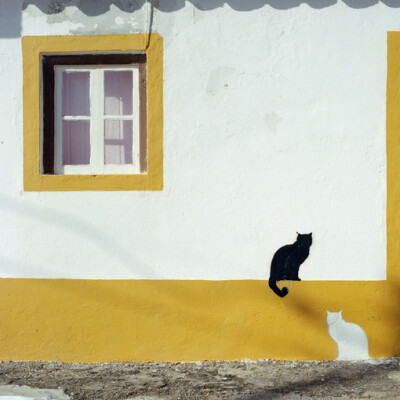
(351,340)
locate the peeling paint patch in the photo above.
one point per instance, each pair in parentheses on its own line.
(119,21)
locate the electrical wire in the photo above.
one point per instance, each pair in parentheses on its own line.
(149,20)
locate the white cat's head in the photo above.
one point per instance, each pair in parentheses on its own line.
(333,317)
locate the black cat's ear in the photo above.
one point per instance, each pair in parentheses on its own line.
(298,233)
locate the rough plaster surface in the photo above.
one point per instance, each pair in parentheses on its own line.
(274,122)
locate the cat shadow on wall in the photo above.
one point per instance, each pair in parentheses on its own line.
(350,338)
(286,262)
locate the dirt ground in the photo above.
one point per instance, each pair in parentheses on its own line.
(240,380)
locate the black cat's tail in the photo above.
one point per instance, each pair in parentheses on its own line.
(280,292)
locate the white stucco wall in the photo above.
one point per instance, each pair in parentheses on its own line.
(274,122)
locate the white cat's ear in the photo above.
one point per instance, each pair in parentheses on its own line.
(340,312)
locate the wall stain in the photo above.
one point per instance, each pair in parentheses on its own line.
(272,120)
(219,79)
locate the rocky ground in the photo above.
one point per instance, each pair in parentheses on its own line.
(241,380)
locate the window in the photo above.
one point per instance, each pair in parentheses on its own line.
(98,122)
(94,115)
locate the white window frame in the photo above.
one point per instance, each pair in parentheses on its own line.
(97,120)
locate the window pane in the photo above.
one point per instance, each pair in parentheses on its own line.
(118,140)
(118,93)
(76,143)
(75,93)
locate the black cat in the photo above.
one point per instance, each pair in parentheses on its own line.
(286,262)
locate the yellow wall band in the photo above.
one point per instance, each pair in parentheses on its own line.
(146,320)
(32,47)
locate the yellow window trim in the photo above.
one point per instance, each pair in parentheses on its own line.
(32,47)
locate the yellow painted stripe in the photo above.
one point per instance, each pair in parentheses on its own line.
(166,320)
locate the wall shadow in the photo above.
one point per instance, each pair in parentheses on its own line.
(10,10)
(87,231)
(88,7)
(99,7)
(345,377)
(10,18)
